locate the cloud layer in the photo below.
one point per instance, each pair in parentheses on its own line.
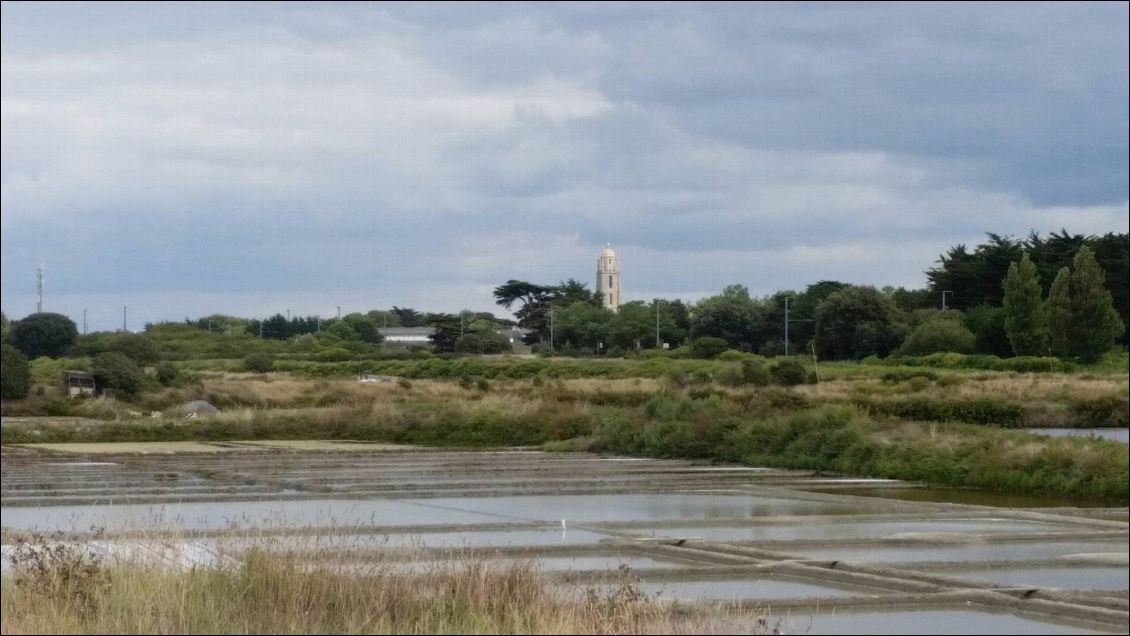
(186,159)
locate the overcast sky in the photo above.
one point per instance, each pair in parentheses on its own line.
(249,159)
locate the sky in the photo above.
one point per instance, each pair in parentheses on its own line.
(248,159)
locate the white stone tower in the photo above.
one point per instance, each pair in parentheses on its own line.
(608,278)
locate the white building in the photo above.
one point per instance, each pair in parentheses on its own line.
(608,278)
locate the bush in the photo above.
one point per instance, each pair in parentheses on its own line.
(755,373)
(707,347)
(118,372)
(938,335)
(788,372)
(732,355)
(167,373)
(15,374)
(259,363)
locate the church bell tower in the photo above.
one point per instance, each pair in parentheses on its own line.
(608,278)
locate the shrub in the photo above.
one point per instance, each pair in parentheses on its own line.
(707,347)
(755,373)
(167,373)
(15,374)
(938,335)
(788,372)
(732,355)
(259,363)
(118,372)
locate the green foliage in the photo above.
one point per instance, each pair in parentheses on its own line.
(987,324)
(15,374)
(1025,321)
(342,330)
(43,334)
(167,373)
(729,316)
(975,411)
(1094,324)
(856,322)
(116,371)
(135,346)
(365,327)
(938,335)
(707,347)
(5,326)
(755,373)
(788,372)
(259,363)
(486,342)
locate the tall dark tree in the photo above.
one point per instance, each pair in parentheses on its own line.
(409,317)
(856,322)
(1024,320)
(44,334)
(1085,323)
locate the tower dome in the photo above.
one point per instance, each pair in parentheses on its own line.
(608,278)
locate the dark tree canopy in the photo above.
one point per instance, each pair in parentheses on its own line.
(44,334)
(974,276)
(15,373)
(856,322)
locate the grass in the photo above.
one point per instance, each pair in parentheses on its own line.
(59,588)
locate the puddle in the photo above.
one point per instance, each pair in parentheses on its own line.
(1116,434)
(1064,578)
(849,529)
(919,622)
(644,507)
(1029,550)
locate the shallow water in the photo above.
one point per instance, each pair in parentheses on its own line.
(850,529)
(1065,578)
(920,622)
(1116,434)
(967,496)
(1027,550)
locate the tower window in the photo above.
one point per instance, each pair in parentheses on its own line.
(609,281)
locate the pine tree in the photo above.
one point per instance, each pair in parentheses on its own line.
(1095,323)
(1024,312)
(1057,310)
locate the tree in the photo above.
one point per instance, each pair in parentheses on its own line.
(408,317)
(987,324)
(113,370)
(167,373)
(1024,319)
(856,322)
(483,342)
(365,327)
(5,326)
(730,316)
(1081,315)
(938,335)
(44,334)
(342,330)
(633,324)
(15,373)
(445,332)
(582,325)
(1057,311)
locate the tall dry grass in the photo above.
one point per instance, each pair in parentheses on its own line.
(55,588)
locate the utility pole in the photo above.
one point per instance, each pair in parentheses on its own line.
(786,325)
(944,292)
(125,326)
(39,289)
(84,322)
(658,344)
(461,323)
(260,329)
(339,312)
(552,347)
(288,314)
